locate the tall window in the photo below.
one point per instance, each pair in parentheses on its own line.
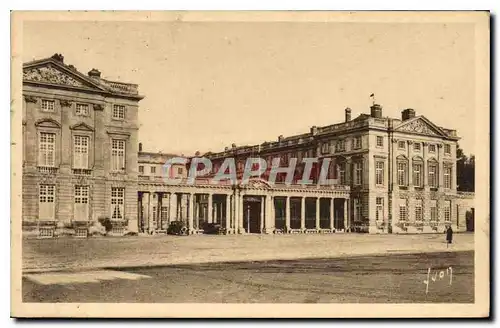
(419,213)
(48,105)
(433,181)
(119,112)
(82,109)
(447,211)
(118,155)
(141,169)
(379,210)
(380,141)
(117,201)
(434,210)
(357,143)
(358,173)
(447,149)
(357,209)
(342,174)
(402,173)
(46,202)
(325,148)
(81,208)
(340,146)
(401,145)
(403,210)
(80,152)
(447,177)
(417,174)
(379,173)
(153,169)
(46,149)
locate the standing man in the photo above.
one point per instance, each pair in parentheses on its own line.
(449,235)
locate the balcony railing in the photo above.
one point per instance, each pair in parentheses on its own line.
(47,169)
(82,171)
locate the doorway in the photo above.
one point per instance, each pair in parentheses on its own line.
(252,209)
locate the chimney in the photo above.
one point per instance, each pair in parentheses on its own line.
(59,58)
(347,114)
(140,146)
(314,130)
(407,114)
(233,145)
(376,111)
(226,148)
(94,73)
(280,138)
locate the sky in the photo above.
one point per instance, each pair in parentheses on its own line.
(208,85)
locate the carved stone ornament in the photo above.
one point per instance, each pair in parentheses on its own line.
(50,75)
(418,126)
(31,99)
(440,145)
(394,140)
(65,103)
(98,107)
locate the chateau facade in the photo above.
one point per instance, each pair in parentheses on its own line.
(82,162)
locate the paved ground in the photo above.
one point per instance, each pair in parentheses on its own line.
(396,278)
(109,252)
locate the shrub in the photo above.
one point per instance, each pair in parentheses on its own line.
(97,229)
(106,223)
(177,228)
(212,228)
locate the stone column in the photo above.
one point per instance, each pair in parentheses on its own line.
(241,211)
(346,214)
(424,172)
(440,166)
(303,213)
(332,213)
(318,222)
(145,210)
(287,214)
(191,214)
(150,213)
(454,176)
(172,207)
(271,222)
(263,211)
(210,209)
(228,213)
(236,209)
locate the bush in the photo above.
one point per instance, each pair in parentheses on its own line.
(106,223)
(177,228)
(212,228)
(97,230)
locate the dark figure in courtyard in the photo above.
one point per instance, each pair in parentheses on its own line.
(449,235)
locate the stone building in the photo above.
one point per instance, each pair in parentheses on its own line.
(79,148)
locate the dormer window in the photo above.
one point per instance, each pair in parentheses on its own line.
(48,105)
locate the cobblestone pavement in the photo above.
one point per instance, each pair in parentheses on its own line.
(140,251)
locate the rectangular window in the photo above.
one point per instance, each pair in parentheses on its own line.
(117,201)
(46,149)
(379,213)
(358,173)
(380,141)
(340,146)
(46,202)
(342,174)
(357,209)
(447,211)
(417,174)
(118,155)
(82,109)
(119,112)
(433,183)
(81,152)
(417,146)
(379,173)
(447,177)
(325,148)
(403,211)
(153,169)
(432,148)
(447,149)
(419,213)
(357,143)
(180,170)
(81,206)
(48,105)
(434,210)
(401,145)
(141,169)
(402,174)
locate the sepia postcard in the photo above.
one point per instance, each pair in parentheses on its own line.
(182,164)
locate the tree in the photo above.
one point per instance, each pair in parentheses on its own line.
(465,171)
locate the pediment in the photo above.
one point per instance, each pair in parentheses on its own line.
(420,125)
(82,127)
(48,123)
(56,74)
